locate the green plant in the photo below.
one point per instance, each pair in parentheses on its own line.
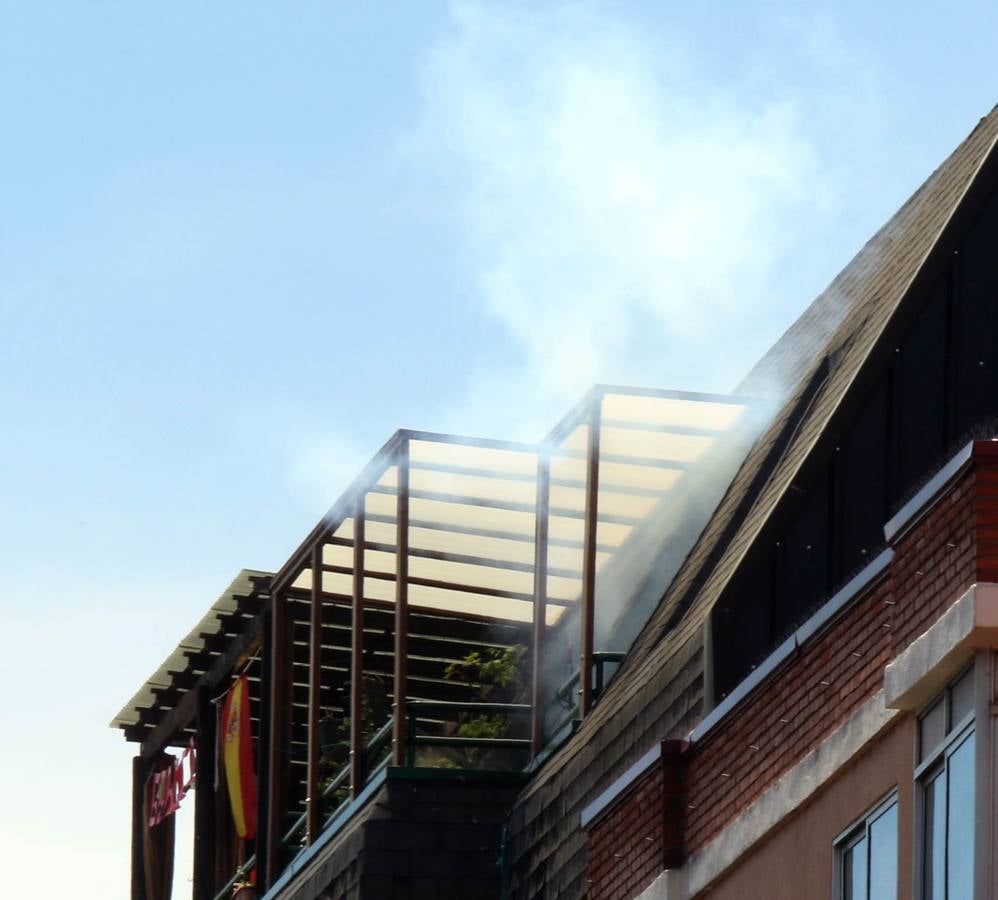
(335,739)
(495,676)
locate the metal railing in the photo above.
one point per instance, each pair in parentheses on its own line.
(564,694)
(375,743)
(238,875)
(601,658)
(416,710)
(456,742)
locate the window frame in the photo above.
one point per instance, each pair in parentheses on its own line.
(936,761)
(854,834)
(953,729)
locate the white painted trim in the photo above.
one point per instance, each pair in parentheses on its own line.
(744,688)
(794,788)
(910,680)
(843,597)
(919,505)
(621,784)
(917,674)
(828,611)
(670,885)
(788,794)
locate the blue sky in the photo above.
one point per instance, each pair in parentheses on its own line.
(240,245)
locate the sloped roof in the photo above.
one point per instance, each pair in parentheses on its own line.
(814,365)
(231,604)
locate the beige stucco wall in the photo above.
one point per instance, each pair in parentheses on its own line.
(795,861)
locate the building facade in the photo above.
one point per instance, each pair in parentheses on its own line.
(687,646)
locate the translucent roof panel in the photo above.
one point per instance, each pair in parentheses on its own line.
(472,521)
(471,530)
(472,516)
(566,518)
(655,448)
(670,410)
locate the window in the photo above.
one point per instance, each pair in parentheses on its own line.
(866,856)
(946,788)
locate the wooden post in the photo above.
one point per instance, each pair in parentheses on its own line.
(313,802)
(139,771)
(357,653)
(401,604)
(205,837)
(537,697)
(589,556)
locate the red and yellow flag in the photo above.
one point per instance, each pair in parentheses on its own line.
(237,757)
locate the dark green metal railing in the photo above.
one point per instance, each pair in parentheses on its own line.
(374,744)
(601,658)
(415,707)
(293,836)
(564,694)
(237,876)
(417,710)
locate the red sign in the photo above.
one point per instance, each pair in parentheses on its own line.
(170,785)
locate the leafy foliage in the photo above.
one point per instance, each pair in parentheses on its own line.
(496,676)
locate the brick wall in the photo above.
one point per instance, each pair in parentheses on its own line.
(625,848)
(937,560)
(954,545)
(815,691)
(548,849)
(640,832)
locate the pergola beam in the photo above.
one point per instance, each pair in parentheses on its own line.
(184,713)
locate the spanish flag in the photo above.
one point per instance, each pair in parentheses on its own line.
(237,756)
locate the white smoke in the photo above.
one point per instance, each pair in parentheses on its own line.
(621,221)
(323,465)
(620,212)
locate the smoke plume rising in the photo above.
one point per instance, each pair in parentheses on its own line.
(622,221)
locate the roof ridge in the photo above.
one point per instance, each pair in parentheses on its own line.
(849,330)
(877,289)
(886,233)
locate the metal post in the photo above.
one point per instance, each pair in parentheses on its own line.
(205,835)
(357,654)
(589,557)
(541,517)
(313,802)
(263,748)
(401,603)
(277,768)
(138,829)
(411,734)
